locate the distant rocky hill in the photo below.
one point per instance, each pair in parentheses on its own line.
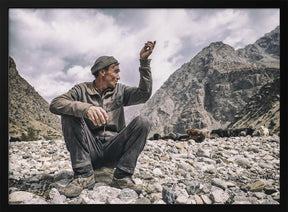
(211,90)
(262,109)
(29,116)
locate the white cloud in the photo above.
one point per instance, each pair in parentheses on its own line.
(79,74)
(55,48)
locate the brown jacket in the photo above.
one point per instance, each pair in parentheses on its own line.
(84,95)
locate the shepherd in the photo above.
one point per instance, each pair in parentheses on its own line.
(94,127)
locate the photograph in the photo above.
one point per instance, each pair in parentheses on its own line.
(144,106)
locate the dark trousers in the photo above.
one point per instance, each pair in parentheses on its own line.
(87,152)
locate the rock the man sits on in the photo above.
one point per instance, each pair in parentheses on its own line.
(93,123)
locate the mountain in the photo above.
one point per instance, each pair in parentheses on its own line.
(29,116)
(210,91)
(262,109)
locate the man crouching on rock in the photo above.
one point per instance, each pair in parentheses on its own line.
(94,127)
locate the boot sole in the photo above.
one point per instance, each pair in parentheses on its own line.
(90,186)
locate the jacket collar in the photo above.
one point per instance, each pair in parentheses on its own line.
(92,90)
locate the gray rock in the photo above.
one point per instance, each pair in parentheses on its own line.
(142,200)
(193,187)
(53,193)
(206,199)
(243,162)
(181,199)
(203,153)
(20,196)
(219,183)
(60,199)
(35,201)
(102,193)
(168,195)
(128,195)
(220,196)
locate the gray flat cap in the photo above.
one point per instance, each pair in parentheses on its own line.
(103,62)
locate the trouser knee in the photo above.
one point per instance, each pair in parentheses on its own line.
(143,123)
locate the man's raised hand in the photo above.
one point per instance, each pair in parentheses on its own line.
(147,49)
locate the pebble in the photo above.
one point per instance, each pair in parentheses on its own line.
(232,170)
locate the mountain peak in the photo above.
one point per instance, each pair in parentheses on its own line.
(265,49)
(29,115)
(12,63)
(218,55)
(218,46)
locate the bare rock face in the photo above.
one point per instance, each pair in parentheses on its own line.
(29,115)
(210,91)
(263,109)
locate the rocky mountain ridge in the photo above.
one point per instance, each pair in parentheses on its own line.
(210,91)
(262,109)
(29,116)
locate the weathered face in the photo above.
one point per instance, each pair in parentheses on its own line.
(111,76)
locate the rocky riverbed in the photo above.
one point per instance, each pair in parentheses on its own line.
(235,170)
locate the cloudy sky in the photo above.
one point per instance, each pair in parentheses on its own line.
(54,49)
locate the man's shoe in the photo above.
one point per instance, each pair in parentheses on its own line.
(75,187)
(126,182)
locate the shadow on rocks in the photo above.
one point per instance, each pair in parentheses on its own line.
(42,184)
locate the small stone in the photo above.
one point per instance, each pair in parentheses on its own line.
(58,199)
(168,195)
(259,195)
(157,172)
(20,196)
(155,197)
(257,186)
(193,187)
(203,153)
(113,200)
(210,169)
(142,200)
(276,196)
(206,199)
(138,181)
(100,193)
(243,162)
(265,165)
(191,201)
(160,201)
(35,201)
(53,193)
(181,199)
(128,195)
(198,199)
(164,158)
(219,183)
(219,196)
(269,190)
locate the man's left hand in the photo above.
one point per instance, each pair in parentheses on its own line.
(147,49)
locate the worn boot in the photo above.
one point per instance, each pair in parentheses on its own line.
(75,187)
(126,182)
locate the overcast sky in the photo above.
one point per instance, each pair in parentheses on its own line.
(54,49)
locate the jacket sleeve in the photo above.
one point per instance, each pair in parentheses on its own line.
(70,103)
(140,94)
